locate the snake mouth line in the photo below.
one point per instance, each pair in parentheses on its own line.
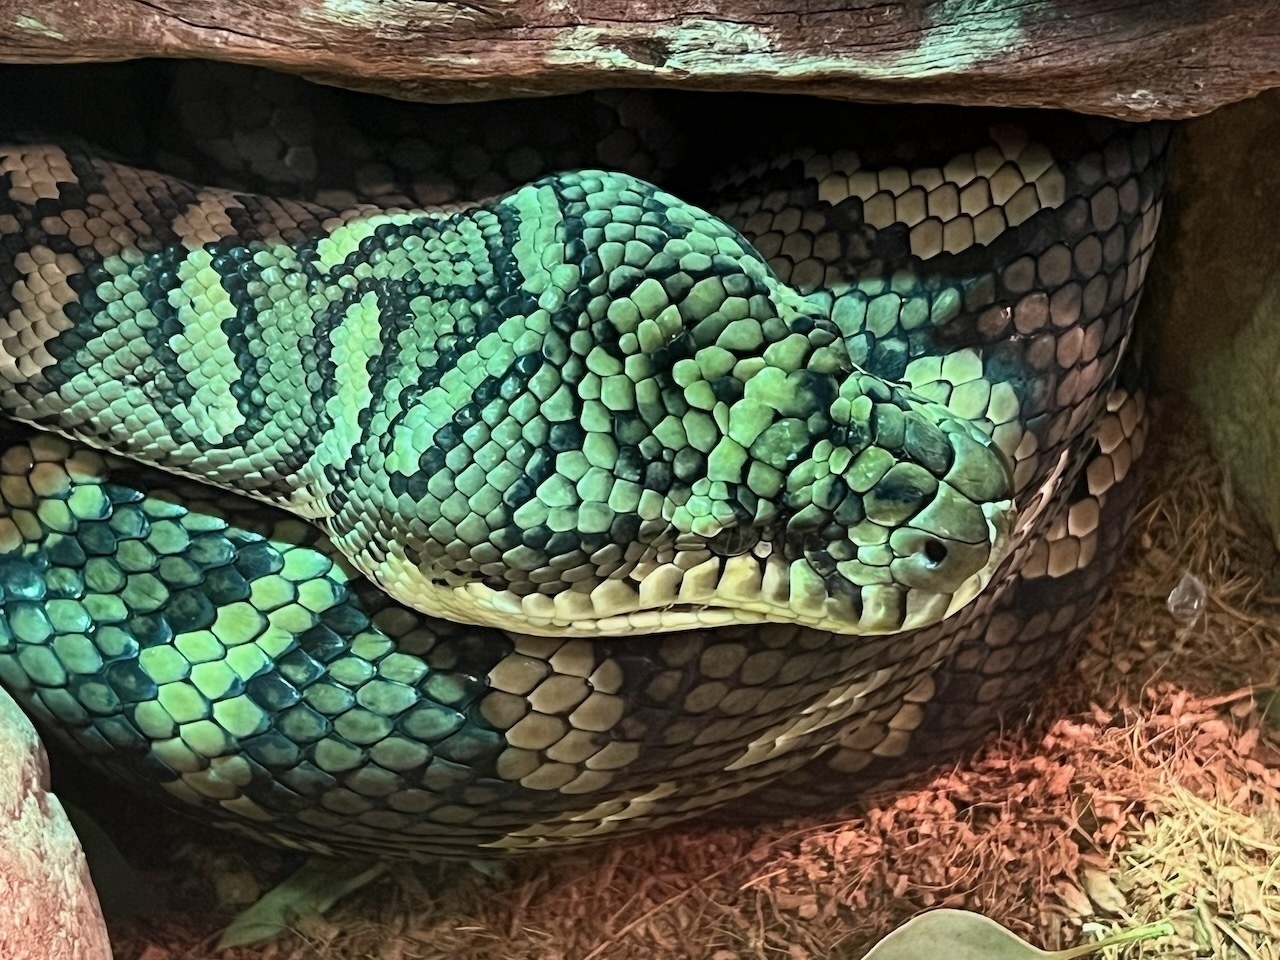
(722,591)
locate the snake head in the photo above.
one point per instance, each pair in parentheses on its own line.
(674,439)
(897,519)
(859,506)
(827,497)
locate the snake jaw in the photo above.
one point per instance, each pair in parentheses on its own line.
(695,588)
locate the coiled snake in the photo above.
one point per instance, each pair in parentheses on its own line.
(700,509)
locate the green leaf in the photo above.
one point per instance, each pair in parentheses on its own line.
(311,890)
(961,935)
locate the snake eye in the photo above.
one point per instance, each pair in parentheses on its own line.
(734,541)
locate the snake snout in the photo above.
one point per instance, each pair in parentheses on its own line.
(953,544)
(923,517)
(934,556)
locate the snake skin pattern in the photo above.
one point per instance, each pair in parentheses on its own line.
(683,528)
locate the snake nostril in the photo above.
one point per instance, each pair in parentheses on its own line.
(935,551)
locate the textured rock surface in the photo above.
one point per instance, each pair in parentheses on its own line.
(1214,294)
(1125,58)
(50,910)
(1239,395)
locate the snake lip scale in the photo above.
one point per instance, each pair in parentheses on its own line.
(579,510)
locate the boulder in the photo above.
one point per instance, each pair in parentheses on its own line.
(50,909)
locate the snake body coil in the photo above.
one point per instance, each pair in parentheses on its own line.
(675,501)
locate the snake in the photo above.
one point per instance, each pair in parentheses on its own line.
(436,483)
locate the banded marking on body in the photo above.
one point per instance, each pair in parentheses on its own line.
(204,353)
(970,199)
